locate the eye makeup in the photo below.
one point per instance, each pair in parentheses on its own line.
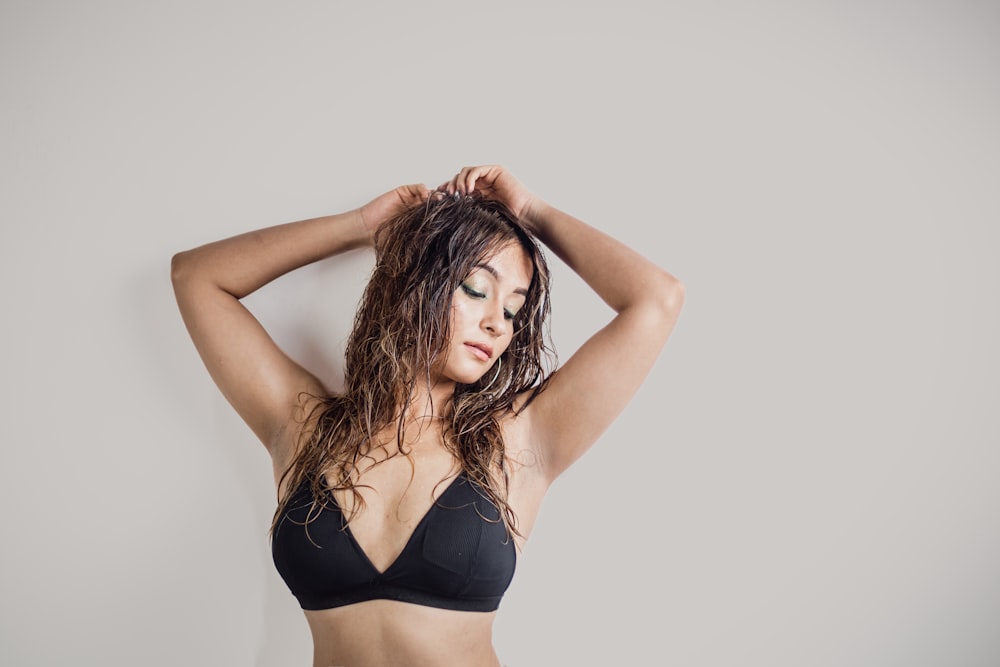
(474,293)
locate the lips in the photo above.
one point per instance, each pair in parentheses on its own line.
(481,350)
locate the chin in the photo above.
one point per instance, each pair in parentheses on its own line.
(466,375)
(468,378)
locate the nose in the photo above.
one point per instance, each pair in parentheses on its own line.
(493,321)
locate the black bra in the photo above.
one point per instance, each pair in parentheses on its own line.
(458,557)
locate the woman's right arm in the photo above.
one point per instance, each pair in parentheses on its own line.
(262,383)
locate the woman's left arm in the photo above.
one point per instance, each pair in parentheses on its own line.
(589,391)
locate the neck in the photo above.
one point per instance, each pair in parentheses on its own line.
(421,418)
(430,402)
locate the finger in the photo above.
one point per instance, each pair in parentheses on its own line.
(484,176)
(455,185)
(457,182)
(420,193)
(465,180)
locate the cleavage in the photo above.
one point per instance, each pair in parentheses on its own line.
(394,505)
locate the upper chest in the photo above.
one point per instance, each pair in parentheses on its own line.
(395,488)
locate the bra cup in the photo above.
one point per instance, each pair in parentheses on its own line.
(303,553)
(495,561)
(458,557)
(452,545)
(468,540)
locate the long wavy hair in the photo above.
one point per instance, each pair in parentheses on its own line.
(402,327)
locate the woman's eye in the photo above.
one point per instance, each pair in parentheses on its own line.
(475,294)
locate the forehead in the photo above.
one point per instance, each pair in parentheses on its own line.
(510,265)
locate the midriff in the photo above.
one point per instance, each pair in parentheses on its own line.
(376,633)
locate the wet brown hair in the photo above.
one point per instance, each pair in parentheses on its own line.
(402,327)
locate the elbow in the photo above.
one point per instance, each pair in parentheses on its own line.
(669,294)
(676,299)
(659,294)
(666,310)
(180,267)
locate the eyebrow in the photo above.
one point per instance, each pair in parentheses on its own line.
(493,272)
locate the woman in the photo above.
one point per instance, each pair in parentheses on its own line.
(404,500)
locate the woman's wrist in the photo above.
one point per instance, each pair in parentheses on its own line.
(362,226)
(534,214)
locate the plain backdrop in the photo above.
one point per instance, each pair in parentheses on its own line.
(807,477)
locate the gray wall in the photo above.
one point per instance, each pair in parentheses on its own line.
(808,477)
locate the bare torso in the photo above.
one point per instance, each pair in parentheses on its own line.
(387,632)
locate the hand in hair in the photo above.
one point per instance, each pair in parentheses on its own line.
(493,182)
(395,202)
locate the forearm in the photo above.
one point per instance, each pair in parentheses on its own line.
(242,264)
(619,275)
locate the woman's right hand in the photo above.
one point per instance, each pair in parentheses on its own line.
(395,202)
(493,182)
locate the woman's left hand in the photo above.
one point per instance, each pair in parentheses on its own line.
(395,202)
(493,182)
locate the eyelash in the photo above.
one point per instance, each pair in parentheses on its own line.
(507,315)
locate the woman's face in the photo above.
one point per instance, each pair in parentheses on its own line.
(483,312)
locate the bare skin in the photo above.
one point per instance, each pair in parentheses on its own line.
(263,385)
